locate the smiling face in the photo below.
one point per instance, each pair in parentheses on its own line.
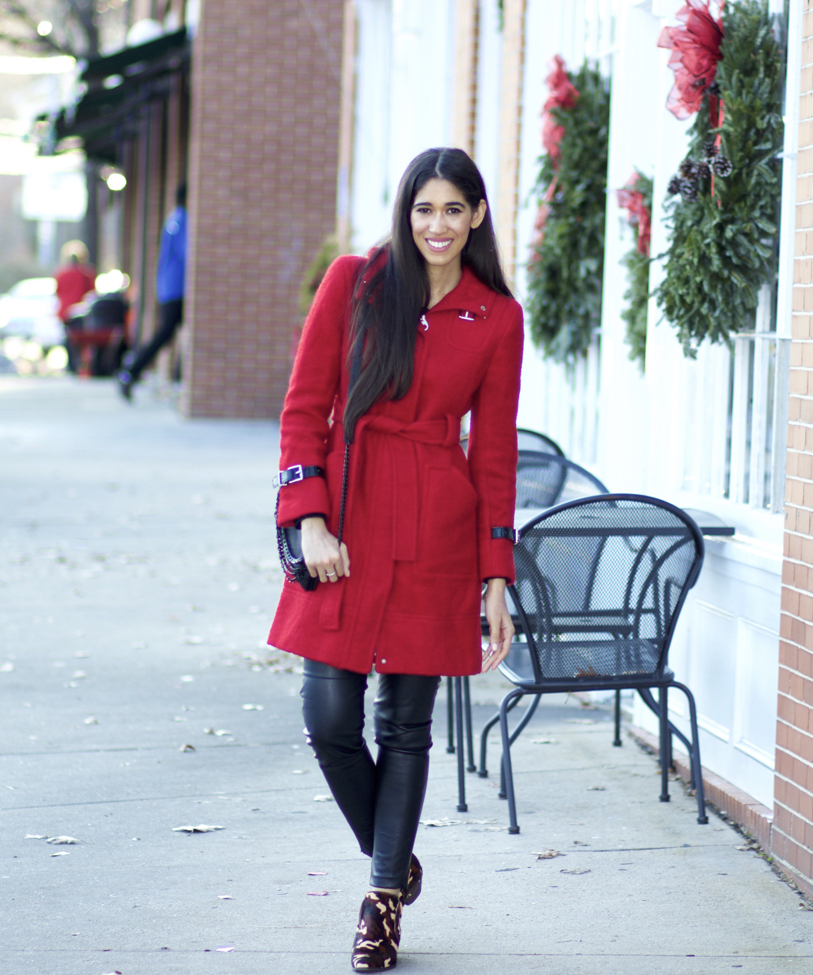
(441,220)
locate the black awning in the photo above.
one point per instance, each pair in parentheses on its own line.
(117,86)
(132,60)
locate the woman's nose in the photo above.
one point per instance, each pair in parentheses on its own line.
(438,223)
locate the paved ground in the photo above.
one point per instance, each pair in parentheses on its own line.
(137,580)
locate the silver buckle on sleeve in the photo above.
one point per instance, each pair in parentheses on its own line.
(290,476)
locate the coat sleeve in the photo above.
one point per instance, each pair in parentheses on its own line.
(315,383)
(493,449)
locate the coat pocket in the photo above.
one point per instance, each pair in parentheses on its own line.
(448,527)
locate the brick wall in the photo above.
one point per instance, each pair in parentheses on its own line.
(792,834)
(266,96)
(464,95)
(513,57)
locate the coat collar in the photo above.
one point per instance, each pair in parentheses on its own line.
(469,295)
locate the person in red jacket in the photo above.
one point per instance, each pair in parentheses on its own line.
(75,277)
(431,321)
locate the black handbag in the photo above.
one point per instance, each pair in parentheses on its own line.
(289,540)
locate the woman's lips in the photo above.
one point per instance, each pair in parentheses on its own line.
(438,245)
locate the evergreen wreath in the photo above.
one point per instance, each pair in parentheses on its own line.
(637,262)
(567,262)
(724,206)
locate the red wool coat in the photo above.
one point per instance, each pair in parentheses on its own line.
(419,513)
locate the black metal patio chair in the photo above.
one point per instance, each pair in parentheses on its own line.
(600,585)
(540,442)
(543,480)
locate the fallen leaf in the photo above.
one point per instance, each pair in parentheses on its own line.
(78,674)
(441,822)
(62,841)
(317,873)
(478,822)
(91,720)
(460,907)
(225,948)
(7,667)
(318,893)
(597,788)
(62,854)
(187,748)
(323,798)
(222,732)
(576,870)
(544,741)
(225,897)
(208,731)
(194,640)
(187,679)
(548,854)
(80,653)
(196,829)
(35,836)
(253,707)
(299,771)
(580,843)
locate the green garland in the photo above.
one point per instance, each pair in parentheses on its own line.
(565,272)
(723,249)
(637,264)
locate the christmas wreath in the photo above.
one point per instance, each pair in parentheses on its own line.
(636,199)
(567,259)
(724,201)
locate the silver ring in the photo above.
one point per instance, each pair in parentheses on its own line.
(330,573)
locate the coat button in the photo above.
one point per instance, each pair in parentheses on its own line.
(482,307)
(383,661)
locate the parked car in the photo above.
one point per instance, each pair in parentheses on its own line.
(29,310)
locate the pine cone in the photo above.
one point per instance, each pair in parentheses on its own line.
(674,186)
(710,150)
(722,166)
(703,171)
(688,190)
(688,168)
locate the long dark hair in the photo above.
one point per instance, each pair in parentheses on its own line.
(394,286)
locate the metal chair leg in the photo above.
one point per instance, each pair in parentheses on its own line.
(697,768)
(449,716)
(664,735)
(517,732)
(483,771)
(506,760)
(470,767)
(461,755)
(617,740)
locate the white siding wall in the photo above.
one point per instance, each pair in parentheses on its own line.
(663,433)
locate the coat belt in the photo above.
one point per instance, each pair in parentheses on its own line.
(401,440)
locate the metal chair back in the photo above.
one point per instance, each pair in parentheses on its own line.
(545,480)
(540,442)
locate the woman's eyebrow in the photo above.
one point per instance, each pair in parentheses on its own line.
(451,203)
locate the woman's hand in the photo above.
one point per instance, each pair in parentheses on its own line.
(321,551)
(501,628)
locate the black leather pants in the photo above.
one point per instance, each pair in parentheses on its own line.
(381,800)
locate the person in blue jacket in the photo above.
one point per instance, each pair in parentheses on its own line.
(169,290)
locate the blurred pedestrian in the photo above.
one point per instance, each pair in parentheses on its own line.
(396,349)
(169,290)
(75,278)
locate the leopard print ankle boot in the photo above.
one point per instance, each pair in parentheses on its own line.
(378,933)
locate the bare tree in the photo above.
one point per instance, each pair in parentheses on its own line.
(59,26)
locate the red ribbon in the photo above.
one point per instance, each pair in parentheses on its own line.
(562,95)
(695,52)
(639,216)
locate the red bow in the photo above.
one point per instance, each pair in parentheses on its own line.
(562,95)
(695,52)
(632,201)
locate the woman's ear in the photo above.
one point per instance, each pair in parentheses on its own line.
(479,214)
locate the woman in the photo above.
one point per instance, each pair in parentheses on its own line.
(424,526)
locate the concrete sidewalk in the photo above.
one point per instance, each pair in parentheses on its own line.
(137,580)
